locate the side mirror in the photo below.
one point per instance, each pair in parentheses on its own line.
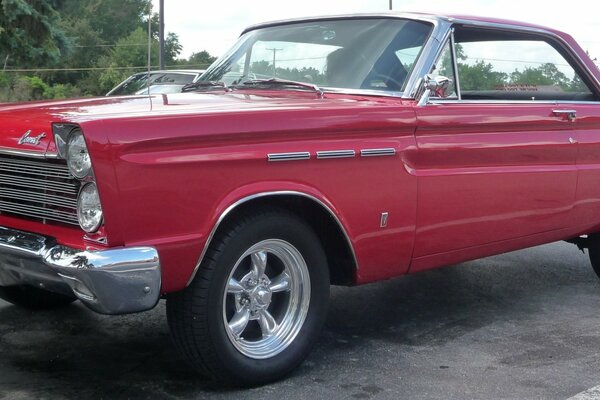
(433,85)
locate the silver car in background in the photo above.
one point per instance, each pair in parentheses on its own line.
(156,82)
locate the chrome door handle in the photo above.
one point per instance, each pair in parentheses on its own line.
(572,141)
(569,114)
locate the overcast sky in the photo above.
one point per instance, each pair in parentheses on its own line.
(215,25)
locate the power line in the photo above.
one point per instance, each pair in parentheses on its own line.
(109,45)
(101,68)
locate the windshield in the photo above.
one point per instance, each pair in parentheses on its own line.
(373,53)
(138,83)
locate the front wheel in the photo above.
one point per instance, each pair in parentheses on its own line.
(257,303)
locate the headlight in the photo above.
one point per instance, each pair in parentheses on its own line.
(78,158)
(89,210)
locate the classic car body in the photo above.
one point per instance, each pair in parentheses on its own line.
(393,173)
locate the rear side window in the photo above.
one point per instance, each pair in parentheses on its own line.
(515,66)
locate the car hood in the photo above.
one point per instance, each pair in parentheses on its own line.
(86,109)
(28,126)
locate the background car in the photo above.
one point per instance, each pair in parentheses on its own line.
(157,81)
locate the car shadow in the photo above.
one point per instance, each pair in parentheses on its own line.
(73,352)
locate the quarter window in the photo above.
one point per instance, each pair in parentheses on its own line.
(445,67)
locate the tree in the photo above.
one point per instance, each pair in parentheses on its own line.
(112,19)
(30,33)
(94,26)
(201,59)
(91,39)
(128,52)
(544,75)
(480,76)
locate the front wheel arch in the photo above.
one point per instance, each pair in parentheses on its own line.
(341,257)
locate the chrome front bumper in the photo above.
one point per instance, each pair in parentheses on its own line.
(117,281)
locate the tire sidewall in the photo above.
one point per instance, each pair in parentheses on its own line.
(285,227)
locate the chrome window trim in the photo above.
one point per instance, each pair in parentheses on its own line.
(555,102)
(577,102)
(432,50)
(432,19)
(239,202)
(363,92)
(455,65)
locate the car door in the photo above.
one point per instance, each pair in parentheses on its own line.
(495,160)
(586,116)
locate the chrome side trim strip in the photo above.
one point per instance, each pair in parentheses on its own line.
(335,154)
(264,194)
(300,155)
(27,153)
(390,151)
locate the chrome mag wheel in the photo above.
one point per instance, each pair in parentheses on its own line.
(256,306)
(266,299)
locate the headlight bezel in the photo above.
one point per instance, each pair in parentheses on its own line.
(63,137)
(85,171)
(81,211)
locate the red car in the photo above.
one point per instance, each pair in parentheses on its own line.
(316,152)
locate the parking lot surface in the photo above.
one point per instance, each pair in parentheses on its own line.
(522,325)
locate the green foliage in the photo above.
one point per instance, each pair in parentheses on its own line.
(130,51)
(62,91)
(27,88)
(4,79)
(264,69)
(480,76)
(199,60)
(92,40)
(111,19)
(31,33)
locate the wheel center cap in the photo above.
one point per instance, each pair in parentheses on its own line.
(262,297)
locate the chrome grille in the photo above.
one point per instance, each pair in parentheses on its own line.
(41,190)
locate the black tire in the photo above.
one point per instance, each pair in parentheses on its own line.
(33,298)
(198,315)
(594,252)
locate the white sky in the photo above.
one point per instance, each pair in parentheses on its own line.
(215,25)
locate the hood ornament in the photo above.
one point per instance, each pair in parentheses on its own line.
(27,139)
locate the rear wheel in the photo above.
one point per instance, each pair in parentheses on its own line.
(594,252)
(34,298)
(257,303)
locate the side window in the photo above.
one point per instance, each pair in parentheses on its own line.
(499,66)
(445,67)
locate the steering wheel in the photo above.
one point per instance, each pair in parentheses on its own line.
(390,82)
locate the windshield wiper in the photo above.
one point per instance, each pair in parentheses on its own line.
(282,82)
(204,85)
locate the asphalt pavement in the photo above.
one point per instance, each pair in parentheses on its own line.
(523,325)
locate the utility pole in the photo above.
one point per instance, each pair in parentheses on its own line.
(275,59)
(391,4)
(161,33)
